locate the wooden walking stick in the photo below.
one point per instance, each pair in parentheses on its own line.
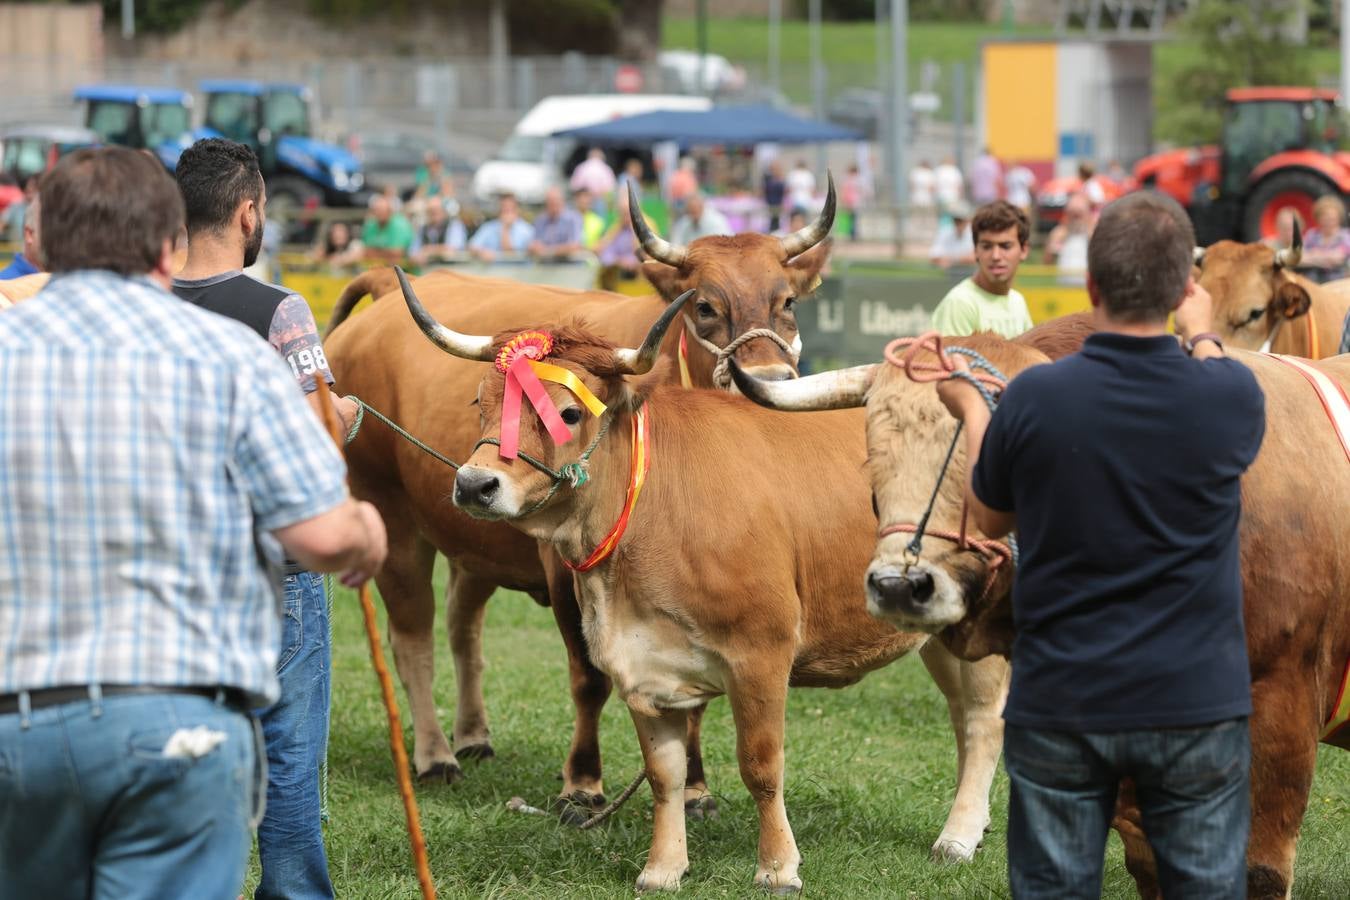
(405,789)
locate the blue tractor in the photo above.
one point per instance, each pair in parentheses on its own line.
(274,120)
(145,118)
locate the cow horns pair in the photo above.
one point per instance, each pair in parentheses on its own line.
(662,250)
(1288,258)
(477,347)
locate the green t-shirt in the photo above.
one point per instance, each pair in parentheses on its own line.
(969,308)
(395,234)
(592,228)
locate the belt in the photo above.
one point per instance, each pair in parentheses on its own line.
(231,697)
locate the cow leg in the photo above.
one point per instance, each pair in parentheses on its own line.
(583,790)
(1284,753)
(699,803)
(662,738)
(466,598)
(975,695)
(405,586)
(1139,859)
(758,705)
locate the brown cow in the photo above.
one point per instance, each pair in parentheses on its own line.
(737,574)
(1261,303)
(1295,565)
(748,286)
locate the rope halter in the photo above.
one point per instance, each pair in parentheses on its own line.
(721,374)
(904,354)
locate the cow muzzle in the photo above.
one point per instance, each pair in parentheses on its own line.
(900,592)
(917,597)
(479,492)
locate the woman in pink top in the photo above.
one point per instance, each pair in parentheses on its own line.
(1326,248)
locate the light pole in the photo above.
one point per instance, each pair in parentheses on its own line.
(775,39)
(900,115)
(817,75)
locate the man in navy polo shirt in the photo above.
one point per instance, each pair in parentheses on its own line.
(1119,468)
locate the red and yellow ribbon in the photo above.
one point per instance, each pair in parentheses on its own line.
(519,359)
(640,464)
(1340,715)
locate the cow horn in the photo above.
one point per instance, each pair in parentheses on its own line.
(1292,255)
(466,346)
(657,247)
(839,389)
(800,241)
(641,360)
(1198,256)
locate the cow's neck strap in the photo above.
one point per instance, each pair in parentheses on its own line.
(639,464)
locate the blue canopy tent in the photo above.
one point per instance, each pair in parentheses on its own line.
(721,125)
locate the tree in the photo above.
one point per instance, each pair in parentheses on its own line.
(1231,43)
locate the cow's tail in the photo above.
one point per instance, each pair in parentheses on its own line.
(375,282)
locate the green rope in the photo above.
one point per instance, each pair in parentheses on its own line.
(363,407)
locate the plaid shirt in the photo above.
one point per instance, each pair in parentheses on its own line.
(146,449)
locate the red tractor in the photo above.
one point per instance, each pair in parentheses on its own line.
(1281,147)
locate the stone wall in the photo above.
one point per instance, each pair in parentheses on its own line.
(71,33)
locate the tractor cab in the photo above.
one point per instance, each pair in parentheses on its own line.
(143,118)
(274,119)
(1280,148)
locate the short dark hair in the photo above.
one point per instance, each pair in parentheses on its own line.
(1140,256)
(108,208)
(215,176)
(1000,216)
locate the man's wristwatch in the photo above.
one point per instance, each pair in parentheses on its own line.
(1203,336)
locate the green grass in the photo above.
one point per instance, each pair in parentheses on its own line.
(870,773)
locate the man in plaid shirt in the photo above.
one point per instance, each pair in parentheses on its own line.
(154,458)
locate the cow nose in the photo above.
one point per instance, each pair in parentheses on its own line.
(920,584)
(476,487)
(893,592)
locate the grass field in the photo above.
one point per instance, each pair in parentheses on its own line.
(869,778)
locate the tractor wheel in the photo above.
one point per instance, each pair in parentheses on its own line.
(1299,189)
(287,195)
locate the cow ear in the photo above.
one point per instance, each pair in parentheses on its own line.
(804,268)
(1292,301)
(668,280)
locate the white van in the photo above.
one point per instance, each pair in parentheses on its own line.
(531,159)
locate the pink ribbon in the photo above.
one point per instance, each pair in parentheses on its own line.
(521,378)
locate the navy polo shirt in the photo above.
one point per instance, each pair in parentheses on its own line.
(1121,463)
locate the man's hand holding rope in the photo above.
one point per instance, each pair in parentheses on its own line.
(959,393)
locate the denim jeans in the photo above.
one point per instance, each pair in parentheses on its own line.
(90,807)
(290,838)
(1193,790)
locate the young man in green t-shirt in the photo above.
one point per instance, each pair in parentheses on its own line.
(986,301)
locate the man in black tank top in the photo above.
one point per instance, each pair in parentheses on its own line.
(225,199)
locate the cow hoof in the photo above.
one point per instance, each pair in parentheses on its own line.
(576,808)
(704,807)
(441,773)
(953,850)
(658,880)
(778,887)
(477,752)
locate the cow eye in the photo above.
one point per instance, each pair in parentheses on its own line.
(571,415)
(789,303)
(1256,314)
(705,310)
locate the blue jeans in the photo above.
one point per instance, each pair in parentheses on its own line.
(290,838)
(1193,790)
(92,808)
